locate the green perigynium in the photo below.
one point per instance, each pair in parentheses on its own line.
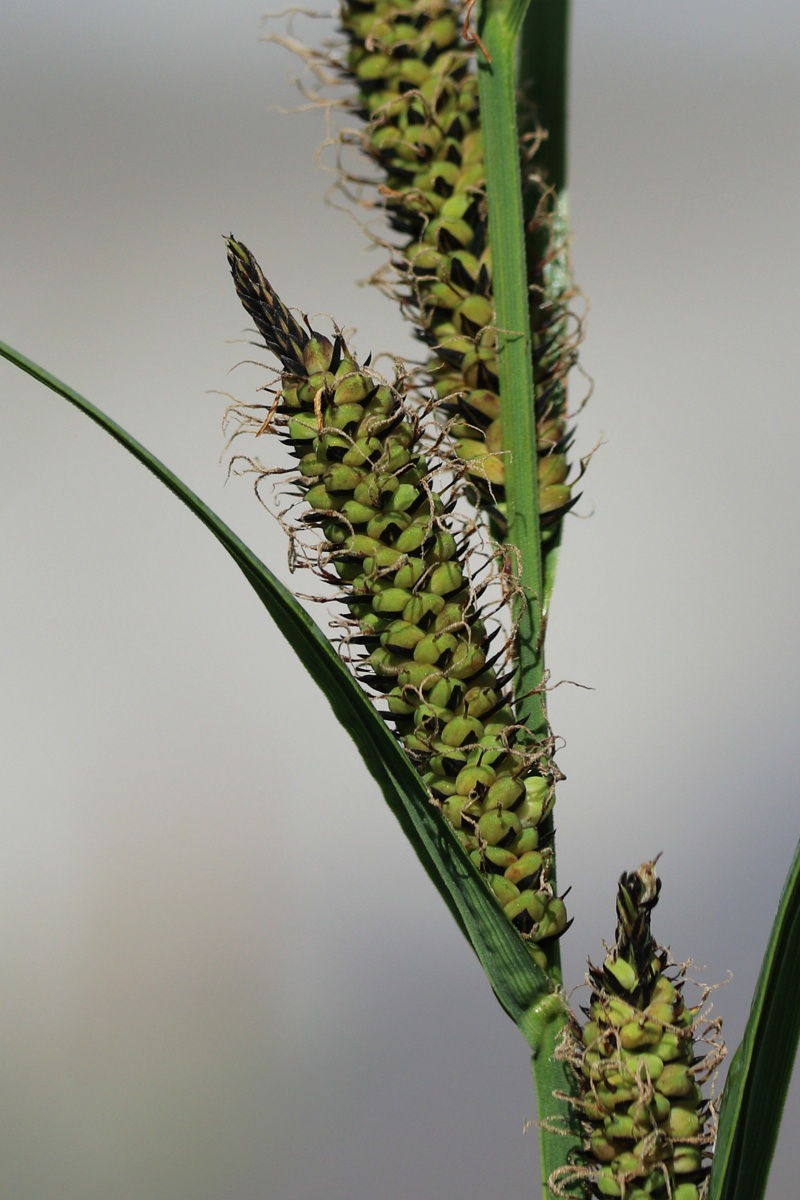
(415,630)
(417,94)
(648,1130)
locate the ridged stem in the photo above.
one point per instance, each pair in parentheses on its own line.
(543,1027)
(542,91)
(498,28)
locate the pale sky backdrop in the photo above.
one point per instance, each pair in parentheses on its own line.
(225,976)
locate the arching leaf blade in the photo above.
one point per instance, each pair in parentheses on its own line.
(515,978)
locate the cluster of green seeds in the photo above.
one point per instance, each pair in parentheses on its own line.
(648,1132)
(417,92)
(413,617)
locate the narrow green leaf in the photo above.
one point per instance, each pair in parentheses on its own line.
(761,1069)
(543,79)
(518,982)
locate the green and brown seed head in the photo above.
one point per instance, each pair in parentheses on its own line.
(417,92)
(648,1131)
(416,633)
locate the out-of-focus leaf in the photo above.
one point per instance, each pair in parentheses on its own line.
(761,1069)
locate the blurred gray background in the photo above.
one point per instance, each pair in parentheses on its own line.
(224,974)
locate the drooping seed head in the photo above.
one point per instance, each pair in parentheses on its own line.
(415,633)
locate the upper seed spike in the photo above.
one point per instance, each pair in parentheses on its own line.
(416,88)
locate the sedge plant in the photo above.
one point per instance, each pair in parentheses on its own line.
(430,503)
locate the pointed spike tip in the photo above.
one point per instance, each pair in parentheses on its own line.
(283,335)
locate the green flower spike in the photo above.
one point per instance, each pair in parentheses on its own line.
(417,92)
(414,632)
(648,1131)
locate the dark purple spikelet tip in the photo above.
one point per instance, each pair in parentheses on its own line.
(283,335)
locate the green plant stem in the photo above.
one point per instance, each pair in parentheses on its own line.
(542,88)
(498,98)
(498,28)
(543,1026)
(542,79)
(497,80)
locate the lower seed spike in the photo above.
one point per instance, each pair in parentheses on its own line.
(648,1129)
